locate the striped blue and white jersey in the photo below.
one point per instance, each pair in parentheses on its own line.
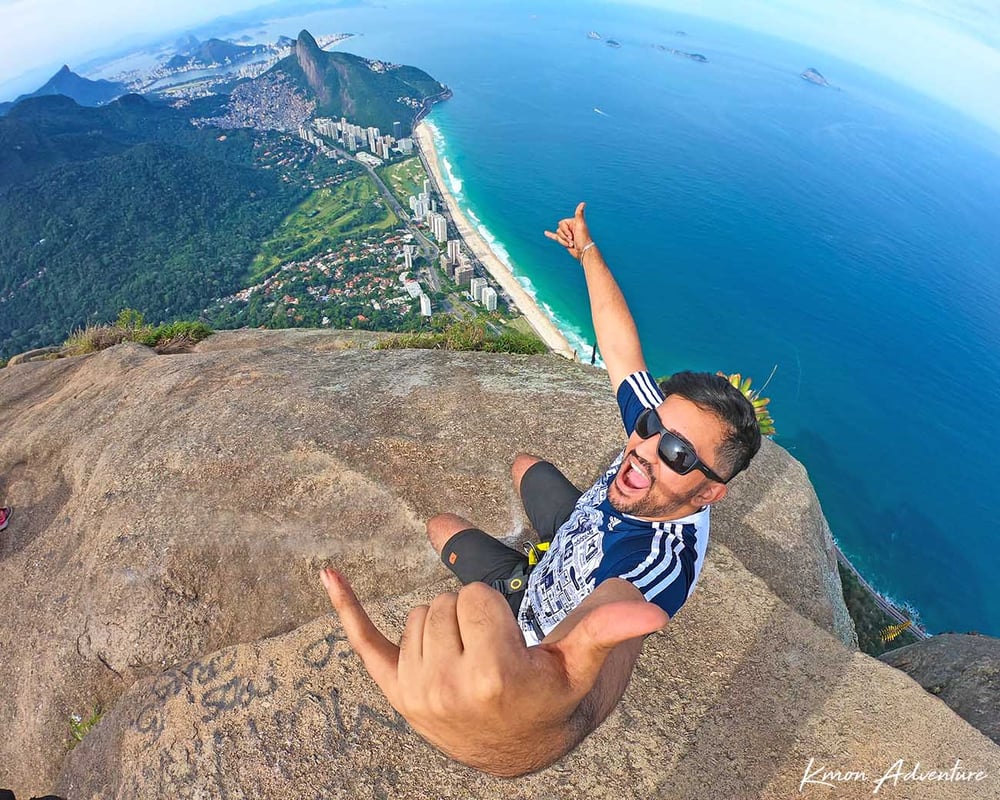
(661,559)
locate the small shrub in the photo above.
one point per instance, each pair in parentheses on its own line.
(132,323)
(93,338)
(466,335)
(171,337)
(764,419)
(80,726)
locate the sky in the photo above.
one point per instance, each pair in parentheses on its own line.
(946,49)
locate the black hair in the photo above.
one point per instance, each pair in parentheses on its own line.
(715,394)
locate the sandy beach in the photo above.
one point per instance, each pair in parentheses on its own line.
(475,243)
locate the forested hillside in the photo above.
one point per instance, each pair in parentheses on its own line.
(123,206)
(367,93)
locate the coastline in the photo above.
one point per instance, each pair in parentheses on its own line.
(879,600)
(540,322)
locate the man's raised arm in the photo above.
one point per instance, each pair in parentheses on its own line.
(464,679)
(617,336)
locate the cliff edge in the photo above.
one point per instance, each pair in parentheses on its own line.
(172,513)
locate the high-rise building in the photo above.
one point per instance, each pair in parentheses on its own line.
(447,267)
(397,130)
(427,185)
(438,225)
(425,305)
(408,255)
(453,249)
(476,286)
(405,146)
(463,275)
(489,299)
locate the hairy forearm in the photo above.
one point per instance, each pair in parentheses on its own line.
(607,692)
(514,756)
(617,335)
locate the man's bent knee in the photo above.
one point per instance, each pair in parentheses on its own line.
(441,527)
(522,463)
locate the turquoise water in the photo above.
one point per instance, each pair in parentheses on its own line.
(851,237)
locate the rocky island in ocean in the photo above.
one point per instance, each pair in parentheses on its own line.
(813,76)
(684,54)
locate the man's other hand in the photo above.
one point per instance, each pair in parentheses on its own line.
(464,679)
(572,232)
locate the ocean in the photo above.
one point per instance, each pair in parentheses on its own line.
(847,236)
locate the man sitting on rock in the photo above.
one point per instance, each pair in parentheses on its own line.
(623,557)
(646,518)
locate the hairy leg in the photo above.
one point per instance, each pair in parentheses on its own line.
(441,527)
(522,463)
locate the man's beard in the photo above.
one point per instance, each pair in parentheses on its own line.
(647,506)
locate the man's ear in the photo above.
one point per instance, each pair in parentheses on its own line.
(711,492)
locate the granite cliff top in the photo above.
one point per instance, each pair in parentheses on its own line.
(172,513)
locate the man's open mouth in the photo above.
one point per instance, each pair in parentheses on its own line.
(634,475)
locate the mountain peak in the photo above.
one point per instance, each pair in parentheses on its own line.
(307,42)
(310,58)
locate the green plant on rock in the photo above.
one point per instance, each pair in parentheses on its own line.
(80,726)
(171,337)
(753,395)
(465,335)
(132,322)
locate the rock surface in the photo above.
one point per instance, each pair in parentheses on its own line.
(962,669)
(172,512)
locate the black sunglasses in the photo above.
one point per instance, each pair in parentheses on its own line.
(672,449)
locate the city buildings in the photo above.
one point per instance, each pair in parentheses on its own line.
(425,305)
(453,250)
(438,225)
(369,159)
(476,286)
(411,286)
(463,275)
(418,207)
(350,136)
(489,298)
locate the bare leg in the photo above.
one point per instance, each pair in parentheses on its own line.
(441,527)
(522,463)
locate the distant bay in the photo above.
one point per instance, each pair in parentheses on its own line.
(849,236)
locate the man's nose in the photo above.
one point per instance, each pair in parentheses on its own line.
(646,448)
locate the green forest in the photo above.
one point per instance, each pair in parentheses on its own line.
(124,206)
(131,205)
